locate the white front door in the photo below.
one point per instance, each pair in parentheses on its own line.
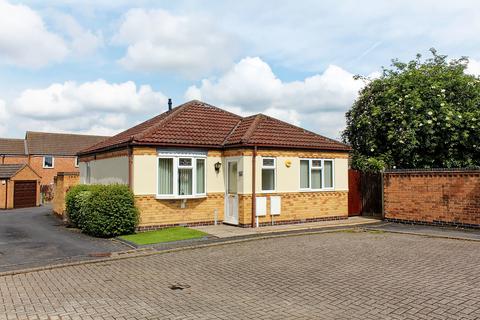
(231,196)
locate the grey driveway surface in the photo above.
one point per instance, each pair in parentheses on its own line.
(434,231)
(33,237)
(341,275)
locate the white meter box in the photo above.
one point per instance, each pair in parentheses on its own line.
(275,205)
(261,206)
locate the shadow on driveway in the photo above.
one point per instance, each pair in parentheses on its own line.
(33,237)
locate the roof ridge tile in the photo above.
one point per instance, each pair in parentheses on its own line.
(251,129)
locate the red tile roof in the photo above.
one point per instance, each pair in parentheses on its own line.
(198,124)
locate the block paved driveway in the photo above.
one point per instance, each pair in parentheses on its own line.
(340,275)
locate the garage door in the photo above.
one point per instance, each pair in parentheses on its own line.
(25,194)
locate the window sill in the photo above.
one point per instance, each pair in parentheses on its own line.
(163,197)
(317,190)
(266,191)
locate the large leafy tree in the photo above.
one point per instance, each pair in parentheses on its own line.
(420,114)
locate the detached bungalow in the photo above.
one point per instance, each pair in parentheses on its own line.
(197,164)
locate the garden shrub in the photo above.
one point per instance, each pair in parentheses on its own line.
(102,210)
(108,211)
(72,207)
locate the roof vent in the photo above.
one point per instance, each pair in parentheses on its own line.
(169,104)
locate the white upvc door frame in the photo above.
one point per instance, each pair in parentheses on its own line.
(231,199)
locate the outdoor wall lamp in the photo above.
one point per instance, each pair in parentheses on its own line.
(217,166)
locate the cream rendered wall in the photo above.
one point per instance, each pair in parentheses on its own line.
(341,174)
(106,171)
(215,181)
(145,175)
(288,179)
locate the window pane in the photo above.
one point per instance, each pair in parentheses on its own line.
(268,162)
(185,162)
(304,174)
(165,176)
(185,181)
(316,163)
(268,179)
(48,162)
(200,176)
(232,177)
(328,174)
(316,179)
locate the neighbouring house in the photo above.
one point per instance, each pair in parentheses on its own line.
(46,153)
(19,186)
(197,164)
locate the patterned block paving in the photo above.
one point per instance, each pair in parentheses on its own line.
(324,276)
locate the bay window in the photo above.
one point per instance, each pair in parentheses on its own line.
(268,174)
(181,177)
(316,174)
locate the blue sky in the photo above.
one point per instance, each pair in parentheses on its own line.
(102,66)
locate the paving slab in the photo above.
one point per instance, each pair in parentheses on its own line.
(229,231)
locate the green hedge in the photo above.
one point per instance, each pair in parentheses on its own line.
(72,207)
(102,210)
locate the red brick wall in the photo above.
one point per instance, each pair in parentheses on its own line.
(61,164)
(439,197)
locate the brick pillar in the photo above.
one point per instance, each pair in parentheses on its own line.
(62,183)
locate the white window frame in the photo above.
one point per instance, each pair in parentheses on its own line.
(274,167)
(53,162)
(176,166)
(322,167)
(77,163)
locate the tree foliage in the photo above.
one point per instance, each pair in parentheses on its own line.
(420,114)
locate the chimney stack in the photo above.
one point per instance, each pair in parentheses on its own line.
(169,104)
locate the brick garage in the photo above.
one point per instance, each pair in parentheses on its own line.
(19,186)
(433,197)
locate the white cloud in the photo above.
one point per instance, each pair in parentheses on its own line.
(473,67)
(251,86)
(91,107)
(160,41)
(71,99)
(4,117)
(82,42)
(24,39)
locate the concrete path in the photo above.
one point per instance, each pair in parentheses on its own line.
(227,231)
(33,237)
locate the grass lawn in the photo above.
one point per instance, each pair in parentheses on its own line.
(164,235)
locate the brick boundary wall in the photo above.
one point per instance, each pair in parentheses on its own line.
(445,197)
(62,183)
